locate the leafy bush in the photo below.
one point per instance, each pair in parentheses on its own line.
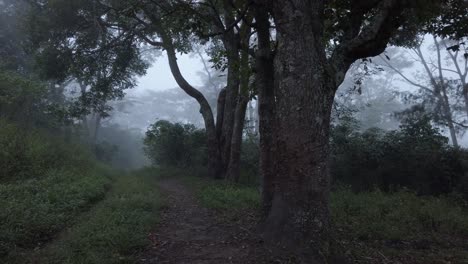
(175,144)
(27,153)
(21,99)
(417,157)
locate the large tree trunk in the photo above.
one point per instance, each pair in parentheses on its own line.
(266,106)
(244,72)
(304,93)
(231,99)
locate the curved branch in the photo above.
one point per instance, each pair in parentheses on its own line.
(371,39)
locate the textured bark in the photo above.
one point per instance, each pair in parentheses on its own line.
(446,102)
(244,73)
(304,91)
(266,106)
(233,170)
(465,96)
(220,112)
(231,99)
(231,44)
(296,94)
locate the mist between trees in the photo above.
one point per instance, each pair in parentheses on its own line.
(298,98)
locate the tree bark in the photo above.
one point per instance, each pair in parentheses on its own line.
(233,170)
(243,79)
(266,105)
(231,98)
(304,92)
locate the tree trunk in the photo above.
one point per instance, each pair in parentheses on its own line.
(465,96)
(448,115)
(243,79)
(304,89)
(97,125)
(214,164)
(233,170)
(231,99)
(266,106)
(231,45)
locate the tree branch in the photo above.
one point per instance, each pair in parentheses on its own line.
(372,37)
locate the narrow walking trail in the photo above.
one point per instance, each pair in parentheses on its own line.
(189,233)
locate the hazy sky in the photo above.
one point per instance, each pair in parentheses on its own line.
(159,76)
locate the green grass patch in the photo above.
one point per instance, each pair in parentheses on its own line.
(214,194)
(398,216)
(34,210)
(115,230)
(223,196)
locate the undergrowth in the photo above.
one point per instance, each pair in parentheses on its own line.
(115,230)
(372,227)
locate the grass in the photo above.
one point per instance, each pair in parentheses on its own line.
(114,231)
(34,210)
(60,205)
(218,194)
(228,197)
(398,216)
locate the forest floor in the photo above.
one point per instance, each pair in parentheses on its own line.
(162,216)
(205,221)
(190,233)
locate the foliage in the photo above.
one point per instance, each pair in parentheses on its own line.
(417,157)
(72,42)
(175,144)
(250,160)
(20,98)
(12,38)
(28,154)
(115,229)
(34,210)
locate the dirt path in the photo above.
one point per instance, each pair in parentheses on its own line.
(189,233)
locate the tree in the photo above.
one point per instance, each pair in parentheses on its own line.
(438,94)
(316,42)
(71,43)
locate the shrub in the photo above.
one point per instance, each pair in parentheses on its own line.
(175,144)
(417,157)
(27,153)
(21,99)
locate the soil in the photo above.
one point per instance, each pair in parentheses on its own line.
(188,233)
